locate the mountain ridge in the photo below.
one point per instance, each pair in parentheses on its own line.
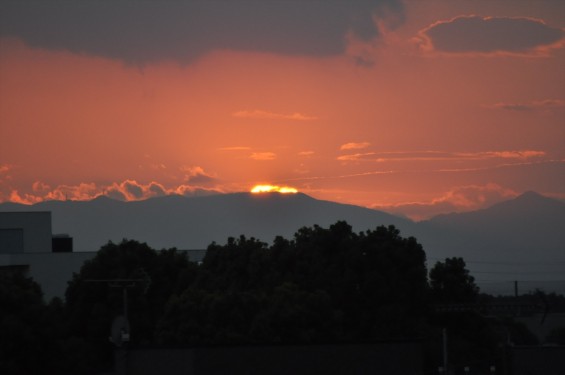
(184,219)
(518,239)
(523,202)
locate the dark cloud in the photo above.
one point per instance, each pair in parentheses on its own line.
(133,189)
(491,34)
(191,191)
(201,179)
(147,31)
(115,194)
(157,189)
(197,176)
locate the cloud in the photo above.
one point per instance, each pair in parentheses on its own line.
(197,176)
(531,106)
(6,180)
(39,186)
(354,145)
(116,194)
(16,197)
(235,148)
(403,156)
(133,189)
(259,114)
(356,157)
(149,31)
(156,189)
(128,190)
(263,156)
(491,36)
(5,168)
(525,154)
(191,191)
(344,176)
(82,191)
(459,199)
(306,153)
(474,197)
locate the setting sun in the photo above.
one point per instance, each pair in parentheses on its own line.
(359,110)
(273,189)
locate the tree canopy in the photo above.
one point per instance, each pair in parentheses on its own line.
(323,285)
(94,298)
(451,282)
(29,329)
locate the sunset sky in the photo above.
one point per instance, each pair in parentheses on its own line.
(415,107)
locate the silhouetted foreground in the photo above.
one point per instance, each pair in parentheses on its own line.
(330,293)
(384,358)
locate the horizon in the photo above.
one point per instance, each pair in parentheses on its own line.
(407,107)
(283,194)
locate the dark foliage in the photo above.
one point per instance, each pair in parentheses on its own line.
(322,286)
(325,285)
(451,282)
(31,332)
(95,296)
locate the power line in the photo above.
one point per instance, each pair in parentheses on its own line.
(555,263)
(515,272)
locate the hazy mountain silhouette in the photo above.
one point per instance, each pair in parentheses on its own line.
(194,222)
(510,230)
(519,239)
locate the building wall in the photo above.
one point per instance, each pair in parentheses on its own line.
(25,232)
(52,271)
(26,240)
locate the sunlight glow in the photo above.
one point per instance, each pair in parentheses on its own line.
(272,189)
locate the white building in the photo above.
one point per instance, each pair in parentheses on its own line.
(27,244)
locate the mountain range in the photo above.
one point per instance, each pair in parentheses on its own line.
(519,239)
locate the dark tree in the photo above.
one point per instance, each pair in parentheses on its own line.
(20,323)
(324,285)
(556,336)
(93,300)
(473,338)
(451,282)
(32,334)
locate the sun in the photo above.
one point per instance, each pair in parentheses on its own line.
(257,189)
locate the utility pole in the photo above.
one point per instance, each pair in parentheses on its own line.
(125,284)
(120,327)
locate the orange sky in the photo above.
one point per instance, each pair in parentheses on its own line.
(420,118)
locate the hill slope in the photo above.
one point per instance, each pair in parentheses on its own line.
(521,239)
(515,229)
(189,223)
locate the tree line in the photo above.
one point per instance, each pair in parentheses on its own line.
(325,285)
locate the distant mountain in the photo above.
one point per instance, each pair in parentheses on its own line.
(519,239)
(510,230)
(529,204)
(195,222)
